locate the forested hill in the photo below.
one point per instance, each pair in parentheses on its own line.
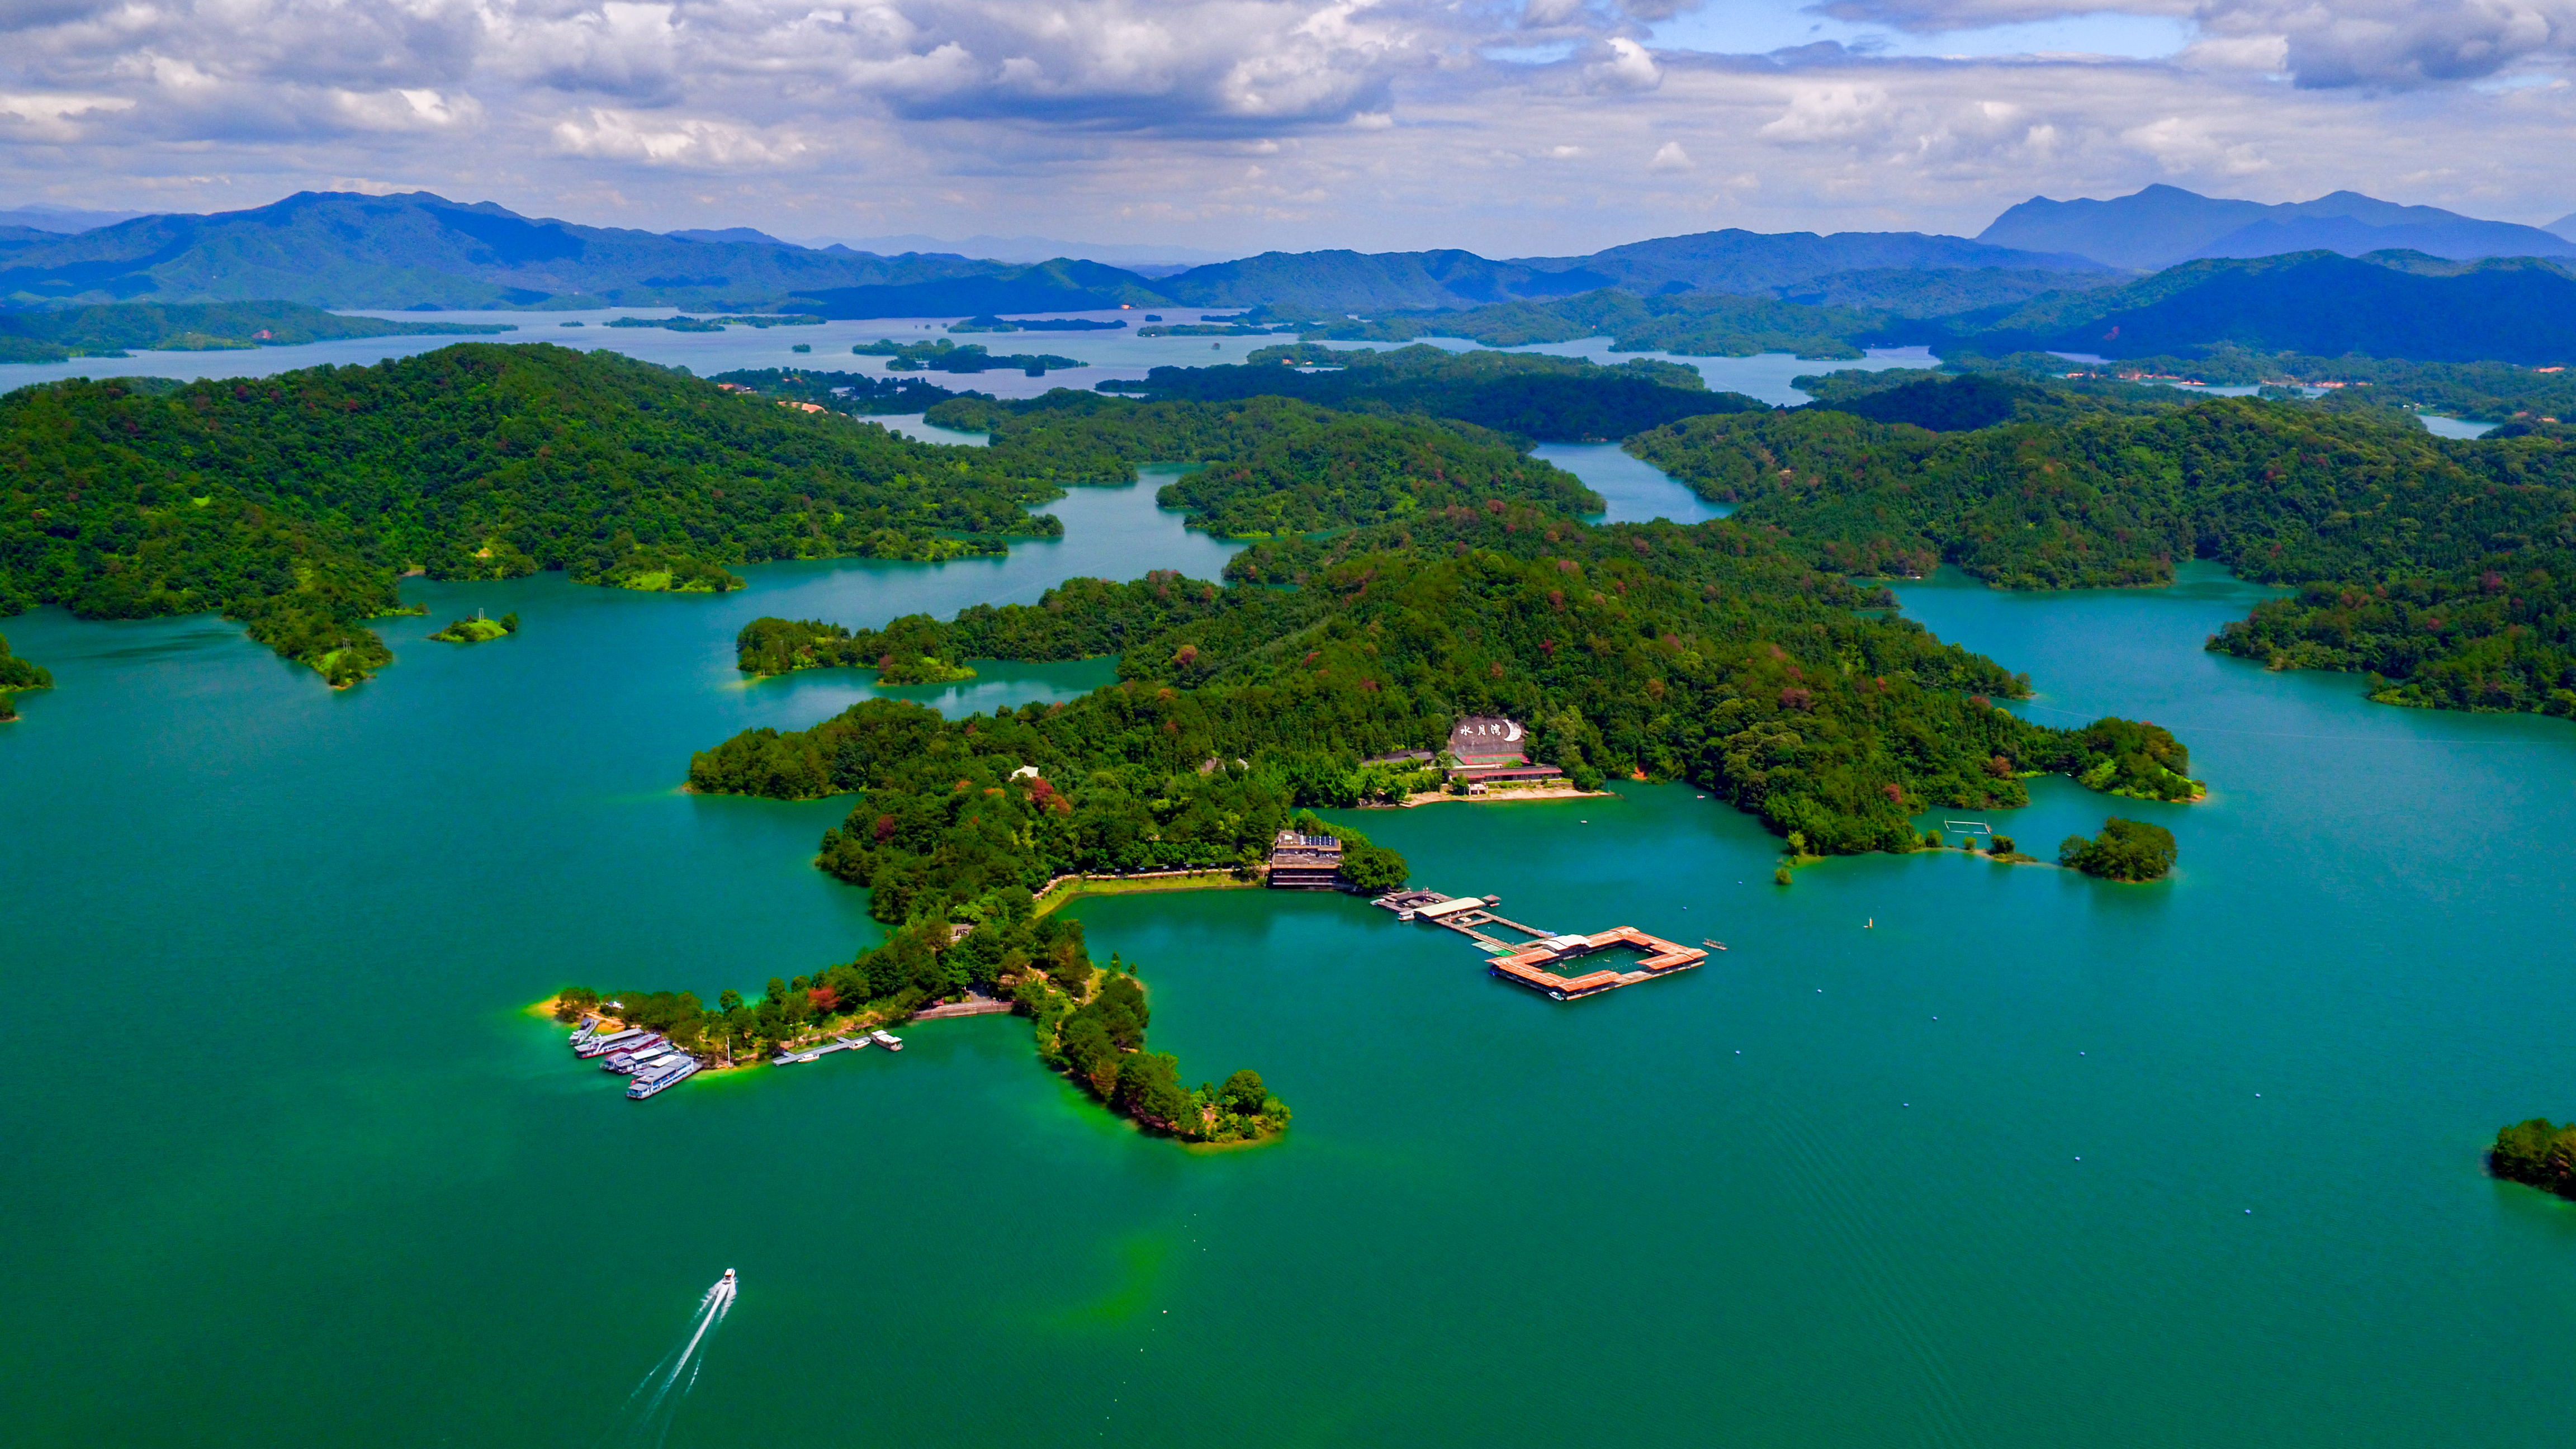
(1529,395)
(1711,653)
(1274,465)
(293,502)
(2389,304)
(2448,567)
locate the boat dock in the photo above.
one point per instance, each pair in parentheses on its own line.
(1532,960)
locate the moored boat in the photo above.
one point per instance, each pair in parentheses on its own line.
(886,1039)
(638,1061)
(600,1046)
(663,1075)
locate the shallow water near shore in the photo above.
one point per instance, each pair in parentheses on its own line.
(294,1166)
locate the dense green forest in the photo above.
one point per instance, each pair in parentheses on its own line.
(1944,402)
(109,330)
(293,502)
(1693,324)
(1089,1023)
(856,393)
(17,673)
(946,356)
(1079,619)
(1713,653)
(2538,1153)
(2444,566)
(1273,465)
(2125,850)
(1529,395)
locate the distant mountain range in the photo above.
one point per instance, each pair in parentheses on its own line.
(2387,304)
(2048,275)
(60,220)
(1153,259)
(421,251)
(2162,225)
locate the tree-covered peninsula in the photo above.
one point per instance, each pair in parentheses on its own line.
(295,502)
(1089,1024)
(2446,567)
(16,674)
(54,334)
(1528,395)
(1273,465)
(1712,653)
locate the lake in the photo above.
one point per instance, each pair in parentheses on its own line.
(1937,1152)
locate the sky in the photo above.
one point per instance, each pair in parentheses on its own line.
(1507,127)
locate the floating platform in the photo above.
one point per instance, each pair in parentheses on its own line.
(1532,960)
(1533,967)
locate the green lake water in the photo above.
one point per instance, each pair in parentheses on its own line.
(289,1166)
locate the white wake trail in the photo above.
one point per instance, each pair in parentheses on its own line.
(650,1424)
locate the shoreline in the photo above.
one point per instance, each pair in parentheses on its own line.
(1067,888)
(1566,792)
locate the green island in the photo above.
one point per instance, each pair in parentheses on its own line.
(2445,568)
(478,630)
(855,393)
(715,324)
(946,356)
(2537,1153)
(987,322)
(294,503)
(2125,850)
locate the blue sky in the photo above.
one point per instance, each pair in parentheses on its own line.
(1511,127)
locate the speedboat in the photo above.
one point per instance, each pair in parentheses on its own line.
(728,1279)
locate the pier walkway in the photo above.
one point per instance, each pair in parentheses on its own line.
(1531,962)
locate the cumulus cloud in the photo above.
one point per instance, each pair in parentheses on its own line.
(1626,67)
(1372,122)
(2323,44)
(2398,42)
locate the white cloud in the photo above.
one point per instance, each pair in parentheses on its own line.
(669,141)
(1626,67)
(1376,122)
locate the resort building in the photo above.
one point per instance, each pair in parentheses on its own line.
(1305,862)
(1491,750)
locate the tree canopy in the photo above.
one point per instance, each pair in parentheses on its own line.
(294,502)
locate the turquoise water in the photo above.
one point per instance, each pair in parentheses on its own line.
(1635,490)
(289,1166)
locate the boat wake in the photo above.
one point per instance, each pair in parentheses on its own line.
(645,1421)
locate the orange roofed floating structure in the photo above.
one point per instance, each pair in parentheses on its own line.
(1535,965)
